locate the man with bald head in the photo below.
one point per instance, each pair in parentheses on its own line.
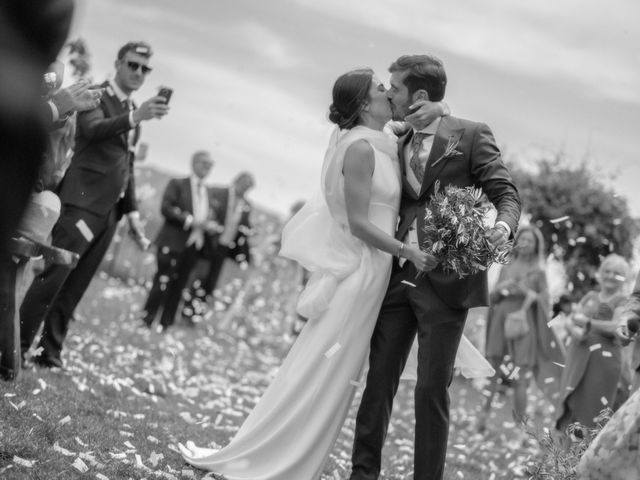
(186,234)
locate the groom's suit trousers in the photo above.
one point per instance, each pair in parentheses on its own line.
(407,310)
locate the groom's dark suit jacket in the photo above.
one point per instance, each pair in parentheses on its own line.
(478,165)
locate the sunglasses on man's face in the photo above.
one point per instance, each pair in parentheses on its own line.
(134,66)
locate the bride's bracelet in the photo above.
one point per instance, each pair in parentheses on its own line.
(400,250)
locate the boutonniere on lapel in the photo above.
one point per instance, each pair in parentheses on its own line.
(450,150)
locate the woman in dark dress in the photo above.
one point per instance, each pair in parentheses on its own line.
(594,360)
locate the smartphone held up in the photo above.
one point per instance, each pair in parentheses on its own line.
(165,92)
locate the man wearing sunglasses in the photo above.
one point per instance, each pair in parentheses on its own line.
(97,190)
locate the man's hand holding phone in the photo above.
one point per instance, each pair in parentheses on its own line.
(165,92)
(155,107)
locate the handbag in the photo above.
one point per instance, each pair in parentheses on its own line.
(516,325)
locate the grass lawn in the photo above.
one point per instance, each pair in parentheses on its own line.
(128,394)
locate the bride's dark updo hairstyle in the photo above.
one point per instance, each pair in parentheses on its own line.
(350,92)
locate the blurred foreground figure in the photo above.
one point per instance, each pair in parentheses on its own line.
(97,190)
(613,454)
(628,331)
(31,35)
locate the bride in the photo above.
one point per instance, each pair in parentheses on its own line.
(344,236)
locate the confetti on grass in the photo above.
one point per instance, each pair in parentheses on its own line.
(22,462)
(63,451)
(79,465)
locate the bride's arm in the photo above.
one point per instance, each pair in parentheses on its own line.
(358,169)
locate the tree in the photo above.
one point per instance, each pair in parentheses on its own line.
(79,58)
(581,219)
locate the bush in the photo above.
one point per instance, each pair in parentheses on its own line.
(594,220)
(560,453)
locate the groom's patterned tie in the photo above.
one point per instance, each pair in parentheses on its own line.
(415,163)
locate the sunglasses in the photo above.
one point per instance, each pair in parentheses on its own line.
(134,66)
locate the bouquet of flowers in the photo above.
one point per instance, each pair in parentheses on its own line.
(455,232)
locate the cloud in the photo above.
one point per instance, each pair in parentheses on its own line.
(249,125)
(252,80)
(266,44)
(574,40)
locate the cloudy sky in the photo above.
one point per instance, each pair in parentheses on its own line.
(252,79)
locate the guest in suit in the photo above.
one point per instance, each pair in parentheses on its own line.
(97,190)
(186,233)
(434,306)
(233,212)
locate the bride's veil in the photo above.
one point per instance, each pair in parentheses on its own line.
(318,236)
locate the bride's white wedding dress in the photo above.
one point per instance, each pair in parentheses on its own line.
(292,429)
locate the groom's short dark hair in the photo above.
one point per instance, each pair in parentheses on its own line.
(426,72)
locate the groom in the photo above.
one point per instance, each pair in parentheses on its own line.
(433,306)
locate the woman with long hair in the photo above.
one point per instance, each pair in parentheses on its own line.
(519,342)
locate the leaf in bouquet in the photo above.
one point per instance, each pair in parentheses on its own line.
(476,193)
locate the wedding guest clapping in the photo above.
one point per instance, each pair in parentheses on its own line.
(594,358)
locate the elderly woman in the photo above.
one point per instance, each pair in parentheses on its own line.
(594,360)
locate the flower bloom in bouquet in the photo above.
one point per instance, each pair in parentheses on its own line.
(455,232)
